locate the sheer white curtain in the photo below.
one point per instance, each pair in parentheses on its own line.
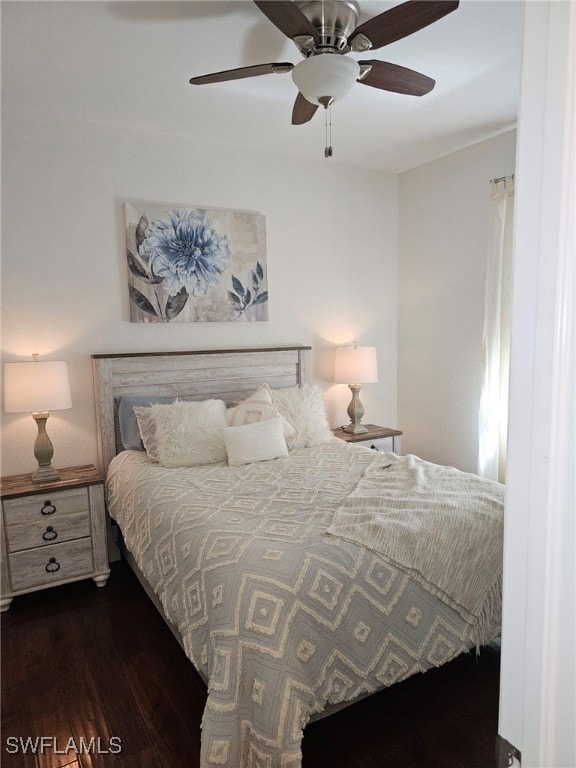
(493,418)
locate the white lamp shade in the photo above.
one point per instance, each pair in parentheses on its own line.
(325,75)
(355,365)
(36,386)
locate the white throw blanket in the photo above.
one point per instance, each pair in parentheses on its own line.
(441,526)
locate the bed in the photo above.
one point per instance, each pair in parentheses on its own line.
(298,584)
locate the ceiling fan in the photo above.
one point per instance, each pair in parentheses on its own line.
(325,31)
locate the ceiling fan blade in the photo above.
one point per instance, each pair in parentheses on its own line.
(287,17)
(391,77)
(401,21)
(302,111)
(237,74)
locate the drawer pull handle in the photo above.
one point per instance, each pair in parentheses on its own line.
(48,508)
(49,534)
(53,565)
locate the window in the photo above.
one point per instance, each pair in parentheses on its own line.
(493,417)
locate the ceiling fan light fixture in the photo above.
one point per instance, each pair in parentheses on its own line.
(325,75)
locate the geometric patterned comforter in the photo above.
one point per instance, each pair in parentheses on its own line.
(279,621)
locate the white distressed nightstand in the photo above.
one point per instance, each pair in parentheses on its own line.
(377,438)
(52,533)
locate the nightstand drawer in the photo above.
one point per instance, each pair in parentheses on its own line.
(49,506)
(46,565)
(380,444)
(50,531)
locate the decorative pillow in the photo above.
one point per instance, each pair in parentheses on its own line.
(257,407)
(129,432)
(303,407)
(259,441)
(183,434)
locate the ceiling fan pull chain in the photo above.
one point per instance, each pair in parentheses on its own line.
(328,132)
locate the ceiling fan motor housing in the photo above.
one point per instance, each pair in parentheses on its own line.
(334,20)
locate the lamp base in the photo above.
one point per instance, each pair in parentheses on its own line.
(43,451)
(45,474)
(355,429)
(355,411)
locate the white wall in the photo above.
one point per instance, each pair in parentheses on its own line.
(332,237)
(443,241)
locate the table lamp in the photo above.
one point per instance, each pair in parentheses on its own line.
(38,387)
(355,366)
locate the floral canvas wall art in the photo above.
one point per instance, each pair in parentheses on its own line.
(188,263)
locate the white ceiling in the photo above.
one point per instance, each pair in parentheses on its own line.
(128,63)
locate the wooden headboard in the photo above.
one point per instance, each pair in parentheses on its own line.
(229,374)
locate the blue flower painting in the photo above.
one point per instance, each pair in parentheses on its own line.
(195,264)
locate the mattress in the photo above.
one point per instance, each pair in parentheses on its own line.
(280,619)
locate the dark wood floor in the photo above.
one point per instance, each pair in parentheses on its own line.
(78,661)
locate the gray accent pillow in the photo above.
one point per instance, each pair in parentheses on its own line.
(129,432)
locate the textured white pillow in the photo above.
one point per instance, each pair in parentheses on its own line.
(259,441)
(303,407)
(183,434)
(256,407)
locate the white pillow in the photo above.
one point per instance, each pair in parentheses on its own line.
(259,441)
(256,407)
(183,434)
(303,407)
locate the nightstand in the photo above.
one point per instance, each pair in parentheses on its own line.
(52,533)
(377,438)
